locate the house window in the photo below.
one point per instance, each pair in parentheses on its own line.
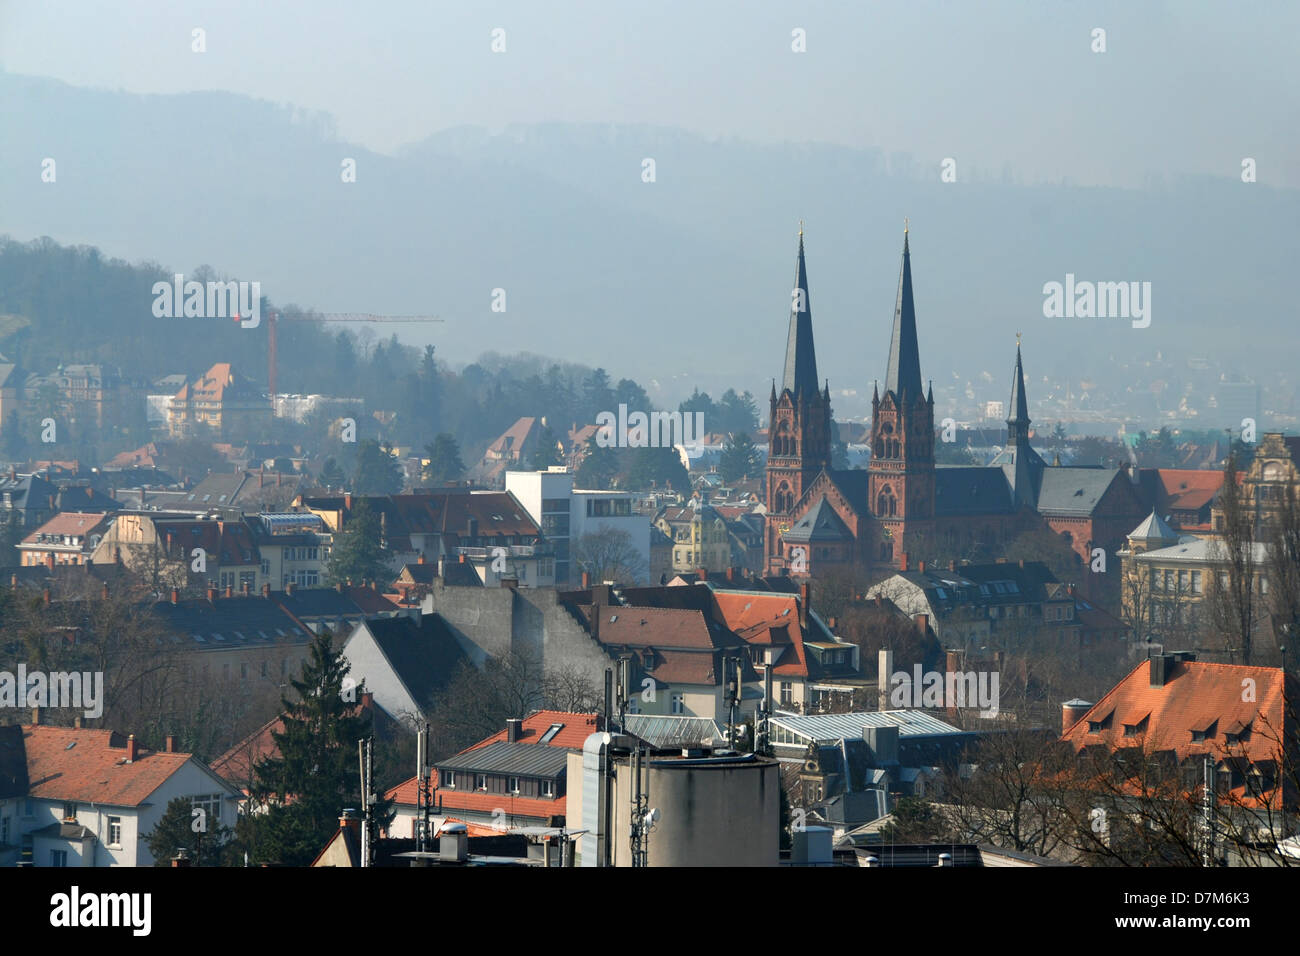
(679,704)
(210,804)
(548,788)
(787,692)
(480,781)
(58,858)
(1196,582)
(449,779)
(114,831)
(70,812)
(512,784)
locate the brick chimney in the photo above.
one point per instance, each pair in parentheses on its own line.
(920,566)
(420,558)
(586,580)
(266,589)
(347,500)
(244,588)
(952,565)
(132,749)
(702,574)
(367,700)
(45,596)
(176,596)
(212,595)
(170,746)
(230,590)
(49,560)
(103,592)
(922,623)
(805,602)
(351,820)
(903,565)
(514,730)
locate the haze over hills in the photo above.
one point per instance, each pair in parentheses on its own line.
(590,256)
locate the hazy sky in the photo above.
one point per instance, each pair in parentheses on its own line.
(1183,87)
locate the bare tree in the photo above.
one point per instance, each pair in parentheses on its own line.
(1282,540)
(609,554)
(1230,597)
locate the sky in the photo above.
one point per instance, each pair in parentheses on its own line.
(1010,88)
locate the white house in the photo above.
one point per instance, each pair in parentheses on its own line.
(565,514)
(93,796)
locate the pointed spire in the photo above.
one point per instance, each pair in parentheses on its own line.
(773,391)
(800,357)
(1018,406)
(904,372)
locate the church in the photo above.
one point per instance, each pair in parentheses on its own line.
(904,508)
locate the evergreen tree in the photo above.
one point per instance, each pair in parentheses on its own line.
(444,460)
(599,468)
(661,467)
(331,475)
(184,826)
(547,452)
(378,472)
(359,553)
(740,458)
(313,773)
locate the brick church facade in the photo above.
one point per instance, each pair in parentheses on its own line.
(905,508)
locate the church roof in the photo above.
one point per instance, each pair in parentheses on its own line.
(1018,406)
(904,371)
(800,358)
(971,490)
(854,485)
(1075,491)
(820,523)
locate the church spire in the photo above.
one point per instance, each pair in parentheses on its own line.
(800,358)
(1018,408)
(904,372)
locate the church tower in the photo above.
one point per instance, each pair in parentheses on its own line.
(901,473)
(1019,462)
(799,429)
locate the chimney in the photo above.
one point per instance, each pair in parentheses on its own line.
(45,595)
(182,858)
(49,560)
(351,820)
(1162,666)
(36,716)
(212,595)
(420,559)
(805,599)
(1022,564)
(266,589)
(170,746)
(462,557)
(920,566)
(885,669)
(339,587)
(230,590)
(347,500)
(103,592)
(260,479)
(77,722)
(952,565)
(701,574)
(903,565)
(514,730)
(132,749)
(13,580)
(1072,712)
(243,588)
(367,700)
(586,580)
(731,574)
(922,623)
(511,583)
(176,596)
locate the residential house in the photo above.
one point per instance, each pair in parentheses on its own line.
(219,402)
(67,538)
(404,662)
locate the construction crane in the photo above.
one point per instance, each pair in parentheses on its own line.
(273,319)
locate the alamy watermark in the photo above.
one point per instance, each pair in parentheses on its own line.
(655,430)
(56,689)
(211,300)
(953,689)
(1098,300)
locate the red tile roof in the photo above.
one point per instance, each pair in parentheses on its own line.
(651,627)
(1195,695)
(74,523)
(767,618)
(89,766)
(235,766)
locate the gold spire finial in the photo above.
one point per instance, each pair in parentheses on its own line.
(800,228)
(904,225)
(1017,340)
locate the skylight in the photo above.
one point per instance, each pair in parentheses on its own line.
(551,732)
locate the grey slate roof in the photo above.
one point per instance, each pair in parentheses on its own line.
(669,731)
(1074,491)
(1153,528)
(229,622)
(525,760)
(424,656)
(971,489)
(819,523)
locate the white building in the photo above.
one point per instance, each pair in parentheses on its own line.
(93,797)
(566,513)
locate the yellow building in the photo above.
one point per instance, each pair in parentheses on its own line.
(699,537)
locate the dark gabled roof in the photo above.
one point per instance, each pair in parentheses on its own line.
(424,656)
(819,523)
(800,376)
(460,574)
(1074,491)
(904,372)
(971,489)
(525,760)
(13,763)
(199,624)
(854,485)
(306,603)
